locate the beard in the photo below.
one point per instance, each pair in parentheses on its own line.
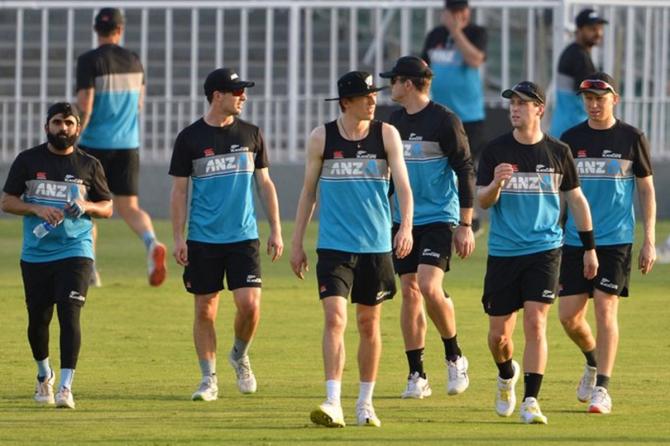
(61,141)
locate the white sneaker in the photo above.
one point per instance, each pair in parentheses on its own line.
(366,416)
(601,402)
(156,267)
(246,381)
(530,412)
(64,398)
(663,254)
(505,396)
(44,390)
(457,376)
(586,384)
(328,414)
(207,391)
(417,387)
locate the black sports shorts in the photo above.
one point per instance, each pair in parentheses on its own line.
(369,277)
(613,271)
(432,246)
(240,262)
(122,169)
(66,280)
(511,281)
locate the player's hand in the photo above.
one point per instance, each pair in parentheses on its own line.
(464,241)
(647,258)
(502,173)
(75,209)
(49,214)
(298,262)
(180,252)
(275,245)
(590,264)
(402,243)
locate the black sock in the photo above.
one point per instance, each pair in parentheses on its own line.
(532,383)
(590,358)
(602,381)
(505,369)
(415,361)
(451,349)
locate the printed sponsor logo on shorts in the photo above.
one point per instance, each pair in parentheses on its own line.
(608,284)
(382,294)
(323,289)
(251,278)
(76,296)
(548,294)
(430,253)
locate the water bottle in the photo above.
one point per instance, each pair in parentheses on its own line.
(45,227)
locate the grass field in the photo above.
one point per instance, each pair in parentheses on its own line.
(138,368)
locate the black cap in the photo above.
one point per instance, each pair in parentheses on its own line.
(410,66)
(66,108)
(455,4)
(108,18)
(588,17)
(355,83)
(526,90)
(599,83)
(224,79)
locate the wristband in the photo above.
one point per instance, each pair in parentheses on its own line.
(462,223)
(587,239)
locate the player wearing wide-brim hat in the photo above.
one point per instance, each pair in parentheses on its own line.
(613,160)
(351,159)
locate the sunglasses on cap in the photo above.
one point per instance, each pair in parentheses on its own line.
(595,84)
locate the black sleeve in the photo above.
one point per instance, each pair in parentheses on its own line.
(85,73)
(181,164)
(434,38)
(261,159)
(486,166)
(17,177)
(570,176)
(576,64)
(477,36)
(454,143)
(641,158)
(98,190)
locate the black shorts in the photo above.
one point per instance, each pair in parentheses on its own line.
(240,262)
(122,169)
(476,138)
(432,246)
(613,271)
(511,281)
(369,277)
(66,280)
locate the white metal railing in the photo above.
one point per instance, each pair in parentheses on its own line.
(295,50)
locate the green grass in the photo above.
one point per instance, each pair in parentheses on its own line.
(138,368)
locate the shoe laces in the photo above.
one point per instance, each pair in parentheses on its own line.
(366,411)
(532,407)
(599,395)
(455,369)
(206,384)
(504,388)
(243,368)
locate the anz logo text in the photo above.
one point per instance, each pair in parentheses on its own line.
(347,168)
(598,167)
(221,164)
(51,190)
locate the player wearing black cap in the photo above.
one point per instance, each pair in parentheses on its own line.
(110,90)
(573,66)
(523,177)
(612,160)
(222,156)
(57,189)
(441,175)
(351,160)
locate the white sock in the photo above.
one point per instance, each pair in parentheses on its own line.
(333,391)
(66,377)
(43,368)
(365,392)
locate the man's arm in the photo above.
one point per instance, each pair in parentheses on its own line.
(178,202)
(647,197)
(489,195)
(579,207)
(268,193)
(307,201)
(394,153)
(13,204)
(472,55)
(85,98)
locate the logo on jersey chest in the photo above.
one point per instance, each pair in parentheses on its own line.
(347,168)
(209,152)
(238,148)
(225,164)
(41,175)
(365,154)
(541,168)
(414,137)
(610,154)
(532,182)
(51,190)
(598,167)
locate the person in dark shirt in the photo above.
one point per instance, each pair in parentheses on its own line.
(523,178)
(441,176)
(612,160)
(574,65)
(110,92)
(57,189)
